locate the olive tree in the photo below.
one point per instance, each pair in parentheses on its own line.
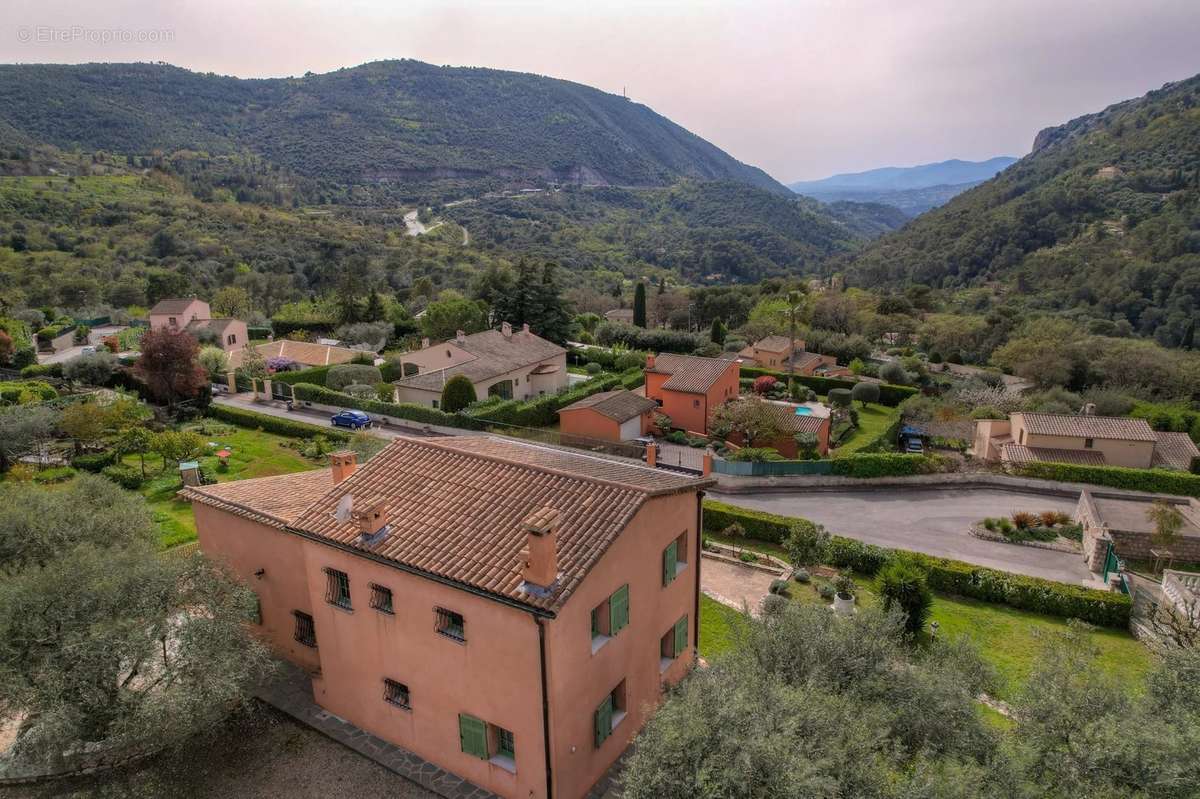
(352,373)
(24,429)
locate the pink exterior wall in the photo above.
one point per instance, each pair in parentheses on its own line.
(579,680)
(197,309)
(247,546)
(240,333)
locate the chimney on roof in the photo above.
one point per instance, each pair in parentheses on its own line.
(425,343)
(1089,409)
(506,330)
(344,463)
(371,518)
(650,360)
(706,465)
(525,328)
(460,337)
(539,558)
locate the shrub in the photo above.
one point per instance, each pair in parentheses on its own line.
(58,474)
(347,374)
(779,588)
(806,543)
(888,394)
(271,424)
(745,454)
(1024,520)
(1005,525)
(94,462)
(773,604)
(748,557)
(827,592)
(840,397)
(458,394)
(763,384)
(849,553)
(593,368)
(844,586)
(315,375)
(801,576)
(1157,481)
(125,476)
(903,585)
(1050,518)
(41,370)
(888,464)
(865,393)
(360,390)
(989,524)
(893,372)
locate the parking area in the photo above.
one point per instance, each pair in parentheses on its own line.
(933,521)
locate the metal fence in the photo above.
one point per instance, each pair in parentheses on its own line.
(772,468)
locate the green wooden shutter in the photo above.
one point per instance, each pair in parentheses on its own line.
(681,636)
(472,734)
(604,720)
(618,610)
(670,554)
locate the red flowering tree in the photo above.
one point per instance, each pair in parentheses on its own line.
(764,384)
(169,365)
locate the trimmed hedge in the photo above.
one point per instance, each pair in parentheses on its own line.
(272,424)
(125,476)
(888,394)
(543,411)
(258,332)
(1159,481)
(315,375)
(95,462)
(887,464)
(888,438)
(10,392)
(1104,608)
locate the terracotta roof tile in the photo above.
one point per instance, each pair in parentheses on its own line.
(788,419)
(1174,451)
(620,405)
(456,506)
(492,354)
(690,374)
(1019,453)
(172,305)
(275,501)
(775,343)
(1084,426)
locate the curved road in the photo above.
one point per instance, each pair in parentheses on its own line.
(933,521)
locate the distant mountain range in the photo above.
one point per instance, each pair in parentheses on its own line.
(913,189)
(1101,219)
(404,125)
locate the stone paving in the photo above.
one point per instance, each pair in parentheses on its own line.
(735,585)
(291,692)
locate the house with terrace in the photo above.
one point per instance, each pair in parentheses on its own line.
(513,364)
(510,612)
(1127,525)
(1083,439)
(689,388)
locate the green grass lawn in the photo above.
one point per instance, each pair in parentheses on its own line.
(717,625)
(872,420)
(254,454)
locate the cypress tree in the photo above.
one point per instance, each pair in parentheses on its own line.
(717,335)
(639,305)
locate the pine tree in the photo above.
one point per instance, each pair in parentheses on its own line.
(553,318)
(374,311)
(662,286)
(639,305)
(524,306)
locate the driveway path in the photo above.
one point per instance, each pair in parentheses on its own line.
(318,418)
(933,521)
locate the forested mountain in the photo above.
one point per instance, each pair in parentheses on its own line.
(1101,220)
(913,189)
(400,129)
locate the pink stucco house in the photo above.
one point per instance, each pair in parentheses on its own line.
(508,611)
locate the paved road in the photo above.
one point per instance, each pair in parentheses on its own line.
(933,521)
(319,418)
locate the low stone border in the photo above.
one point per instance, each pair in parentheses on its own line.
(1059,545)
(777,567)
(71,766)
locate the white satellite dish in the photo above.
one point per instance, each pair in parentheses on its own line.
(344,507)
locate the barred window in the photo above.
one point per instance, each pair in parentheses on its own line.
(451,624)
(396,693)
(306,633)
(381,599)
(504,744)
(337,588)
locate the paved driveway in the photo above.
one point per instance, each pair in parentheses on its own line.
(933,521)
(319,418)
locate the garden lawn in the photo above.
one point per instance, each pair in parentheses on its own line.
(718,624)
(254,454)
(872,420)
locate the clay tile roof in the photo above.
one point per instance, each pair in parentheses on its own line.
(1018,453)
(1174,451)
(773,343)
(275,501)
(494,354)
(690,374)
(456,507)
(1084,426)
(307,353)
(788,419)
(619,405)
(170,306)
(216,325)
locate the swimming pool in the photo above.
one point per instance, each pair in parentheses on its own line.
(803,411)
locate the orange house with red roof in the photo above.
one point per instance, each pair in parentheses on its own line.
(690,388)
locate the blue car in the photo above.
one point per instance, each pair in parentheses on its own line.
(355,420)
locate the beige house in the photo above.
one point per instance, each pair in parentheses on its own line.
(771,352)
(178,313)
(505,363)
(1085,439)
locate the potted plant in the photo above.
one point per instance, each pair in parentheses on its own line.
(843,598)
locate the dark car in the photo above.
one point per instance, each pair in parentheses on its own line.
(355,420)
(914,446)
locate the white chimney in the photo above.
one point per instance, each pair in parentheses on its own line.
(425,343)
(460,337)
(525,327)
(506,330)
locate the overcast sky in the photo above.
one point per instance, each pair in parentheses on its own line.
(803,88)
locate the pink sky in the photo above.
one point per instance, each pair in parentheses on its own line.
(803,88)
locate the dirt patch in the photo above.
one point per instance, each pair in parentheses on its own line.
(259,754)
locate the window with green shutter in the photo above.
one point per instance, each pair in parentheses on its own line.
(618,610)
(604,720)
(472,734)
(670,556)
(681,636)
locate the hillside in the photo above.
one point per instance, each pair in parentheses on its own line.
(1102,220)
(394,129)
(716,232)
(914,189)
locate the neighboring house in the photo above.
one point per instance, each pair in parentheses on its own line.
(508,611)
(1127,525)
(689,388)
(302,352)
(792,423)
(1084,439)
(505,363)
(814,364)
(178,313)
(231,334)
(609,415)
(771,352)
